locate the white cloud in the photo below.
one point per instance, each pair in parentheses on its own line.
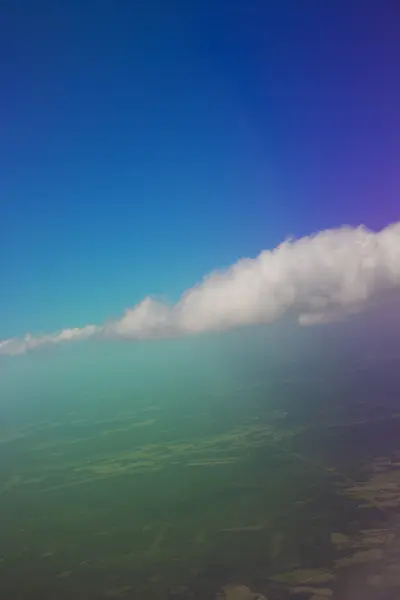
(317,279)
(29,342)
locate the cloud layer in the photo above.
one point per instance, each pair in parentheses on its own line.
(315,279)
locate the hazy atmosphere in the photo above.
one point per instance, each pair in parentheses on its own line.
(199,300)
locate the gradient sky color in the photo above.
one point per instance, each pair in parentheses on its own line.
(144,144)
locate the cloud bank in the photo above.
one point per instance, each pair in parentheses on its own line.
(316,279)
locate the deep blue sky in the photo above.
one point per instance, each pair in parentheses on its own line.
(143,144)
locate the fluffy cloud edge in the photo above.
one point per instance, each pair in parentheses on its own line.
(14,346)
(318,278)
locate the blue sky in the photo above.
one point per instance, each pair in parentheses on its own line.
(144,144)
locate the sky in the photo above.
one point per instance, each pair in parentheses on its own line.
(145,145)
